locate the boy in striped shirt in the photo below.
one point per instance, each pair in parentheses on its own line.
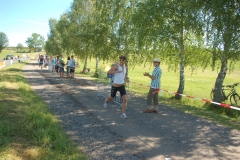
(154,88)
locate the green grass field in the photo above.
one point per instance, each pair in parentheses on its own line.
(198,84)
(13,52)
(27,128)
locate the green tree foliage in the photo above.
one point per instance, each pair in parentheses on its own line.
(3,41)
(64,30)
(35,41)
(53,44)
(182,33)
(19,47)
(164,26)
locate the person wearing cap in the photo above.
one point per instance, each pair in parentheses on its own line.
(119,71)
(155,86)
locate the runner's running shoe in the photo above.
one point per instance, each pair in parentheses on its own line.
(124,116)
(105,104)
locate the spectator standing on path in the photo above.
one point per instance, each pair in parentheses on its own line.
(53,60)
(61,66)
(41,61)
(155,86)
(46,61)
(39,56)
(57,64)
(119,71)
(68,67)
(72,67)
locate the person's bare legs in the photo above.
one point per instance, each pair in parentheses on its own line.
(109,99)
(124,103)
(72,74)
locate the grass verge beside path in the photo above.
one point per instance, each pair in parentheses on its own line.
(27,128)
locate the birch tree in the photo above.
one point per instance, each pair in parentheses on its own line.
(223,37)
(164,26)
(3,41)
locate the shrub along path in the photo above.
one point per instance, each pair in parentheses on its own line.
(104,135)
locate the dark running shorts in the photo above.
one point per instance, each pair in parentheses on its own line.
(121,89)
(72,70)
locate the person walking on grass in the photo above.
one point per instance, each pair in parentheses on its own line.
(155,86)
(119,71)
(72,67)
(61,66)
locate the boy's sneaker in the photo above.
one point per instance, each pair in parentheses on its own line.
(123,116)
(105,104)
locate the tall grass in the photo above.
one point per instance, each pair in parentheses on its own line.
(27,129)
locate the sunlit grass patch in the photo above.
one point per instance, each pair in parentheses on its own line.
(27,129)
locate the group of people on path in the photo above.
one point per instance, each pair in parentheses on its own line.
(57,63)
(119,72)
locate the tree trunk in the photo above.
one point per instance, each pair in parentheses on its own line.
(181,78)
(223,71)
(96,64)
(219,81)
(85,66)
(96,71)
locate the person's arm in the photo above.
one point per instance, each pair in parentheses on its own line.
(150,76)
(113,70)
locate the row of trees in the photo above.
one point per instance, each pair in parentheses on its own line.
(34,42)
(183,33)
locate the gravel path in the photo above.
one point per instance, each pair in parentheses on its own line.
(104,135)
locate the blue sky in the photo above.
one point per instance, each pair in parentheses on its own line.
(20,18)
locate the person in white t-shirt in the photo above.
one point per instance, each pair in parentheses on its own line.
(72,67)
(68,67)
(119,71)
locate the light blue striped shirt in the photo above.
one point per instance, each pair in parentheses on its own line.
(157,72)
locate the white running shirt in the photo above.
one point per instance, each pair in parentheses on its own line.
(119,77)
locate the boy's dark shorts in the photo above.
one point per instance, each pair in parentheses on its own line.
(72,70)
(121,89)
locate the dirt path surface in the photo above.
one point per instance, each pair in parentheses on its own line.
(104,135)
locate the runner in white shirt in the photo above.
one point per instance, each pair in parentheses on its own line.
(119,71)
